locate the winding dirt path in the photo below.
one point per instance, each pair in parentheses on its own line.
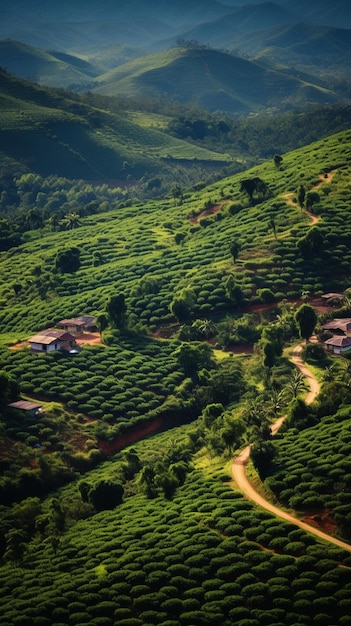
(323,178)
(238,468)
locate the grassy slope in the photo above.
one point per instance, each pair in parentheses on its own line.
(204,556)
(140,240)
(44,67)
(50,134)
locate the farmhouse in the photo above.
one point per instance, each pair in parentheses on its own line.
(51,340)
(31,408)
(78,324)
(339,326)
(338,344)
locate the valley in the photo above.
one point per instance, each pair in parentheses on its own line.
(175,313)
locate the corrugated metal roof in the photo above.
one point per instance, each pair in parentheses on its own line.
(339,340)
(50,336)
(338,323)
(25,405)
(84,320)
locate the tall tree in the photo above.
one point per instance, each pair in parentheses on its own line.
(234,249)
(278,160)
(233,291)
(273,227)
(252,185)
(117,310)
(71,220)
(301,193)
(306,319)
(193,357)
(312,197)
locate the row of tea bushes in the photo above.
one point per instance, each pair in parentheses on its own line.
(207,557)
(312,470)
(112,383)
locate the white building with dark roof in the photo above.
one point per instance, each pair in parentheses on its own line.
(338,344)
(51,340)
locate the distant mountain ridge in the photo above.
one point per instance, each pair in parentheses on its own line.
(77,26)
(295,54)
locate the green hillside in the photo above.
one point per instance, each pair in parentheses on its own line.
(48,133)
(196,297)
(213,79)
(49,68)
(142,239)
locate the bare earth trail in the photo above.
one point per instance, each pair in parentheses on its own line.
(323,178)
(238,468)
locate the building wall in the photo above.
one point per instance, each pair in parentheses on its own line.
(53,346)
(38,347)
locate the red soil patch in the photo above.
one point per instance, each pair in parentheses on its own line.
(322,520)
(127,439)
(211,211)
(19,346)
(88,339)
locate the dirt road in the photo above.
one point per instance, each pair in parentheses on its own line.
(238,468)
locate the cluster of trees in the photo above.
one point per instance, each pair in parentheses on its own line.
(32,202)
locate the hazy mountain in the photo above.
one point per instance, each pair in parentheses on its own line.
(75,42)
(222,33)
(316,53)
(73,25)
(321,45)
(213,79)
(54,69)
(336,13)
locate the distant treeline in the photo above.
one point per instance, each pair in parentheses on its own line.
(258,135)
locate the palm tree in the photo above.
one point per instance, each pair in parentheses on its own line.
(207,328)
(276,401)
(296,384)
(71,220)
(329,374)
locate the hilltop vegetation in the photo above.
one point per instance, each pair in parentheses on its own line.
(131,148)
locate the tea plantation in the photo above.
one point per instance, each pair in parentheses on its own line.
(195,297)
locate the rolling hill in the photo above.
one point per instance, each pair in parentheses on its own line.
(53,69)
(222,33)
(117,503)
(213,79)
(49,133)
(91,532)
(319,50)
